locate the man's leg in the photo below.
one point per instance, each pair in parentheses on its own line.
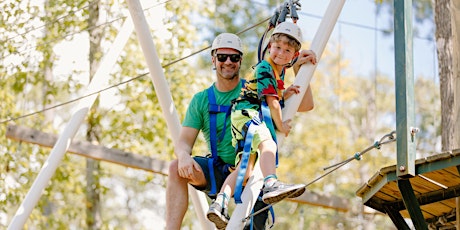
(176,198)
(177,192)
(260,220)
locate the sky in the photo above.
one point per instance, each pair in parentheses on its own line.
(366,49)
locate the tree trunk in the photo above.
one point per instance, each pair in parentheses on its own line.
(93,212)
(447,21)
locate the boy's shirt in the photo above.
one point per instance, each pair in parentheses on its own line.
(262,83)
(197,116)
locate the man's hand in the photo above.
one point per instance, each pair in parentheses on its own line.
(187,167)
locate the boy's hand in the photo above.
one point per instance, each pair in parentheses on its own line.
(291,90)
(304,57)
(286,127)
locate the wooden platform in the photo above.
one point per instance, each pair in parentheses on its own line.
(436,184)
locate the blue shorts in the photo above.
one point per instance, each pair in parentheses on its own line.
(221,172)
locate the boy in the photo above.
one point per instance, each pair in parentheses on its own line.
(267,86)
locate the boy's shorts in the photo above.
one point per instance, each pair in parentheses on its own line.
(221,172)
(239,120)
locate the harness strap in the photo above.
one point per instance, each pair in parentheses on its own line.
(267,118)
(244,159)
(213,110)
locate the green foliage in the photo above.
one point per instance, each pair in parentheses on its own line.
(351,112)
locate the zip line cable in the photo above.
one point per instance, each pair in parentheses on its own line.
(388,138)
(173,62)
(48,23)
(63,37)
(86,29)
(124,82)
(430,39)
(76,32)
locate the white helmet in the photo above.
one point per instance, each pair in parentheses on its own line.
(290,29)
(227,40)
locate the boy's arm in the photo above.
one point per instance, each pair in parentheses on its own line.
(305,56)
(275,112)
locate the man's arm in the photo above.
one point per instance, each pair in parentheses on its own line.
(183,151)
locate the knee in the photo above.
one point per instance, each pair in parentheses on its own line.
(268,146)
(172,171)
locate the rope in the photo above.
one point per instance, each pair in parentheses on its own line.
(69,34)
(124,82)
(287,9)
(357,156)
(388,138)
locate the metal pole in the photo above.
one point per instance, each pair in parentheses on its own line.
(99,81)
(302,79)
(164,96)
(404,85)
(318,45)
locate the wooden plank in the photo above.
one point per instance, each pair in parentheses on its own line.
(422,185)
(433,209)
(89,150)
(392,189)
(325,201)
(443,177)
(382,195)
(453,170)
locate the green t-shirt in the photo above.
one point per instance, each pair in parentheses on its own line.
(197,116)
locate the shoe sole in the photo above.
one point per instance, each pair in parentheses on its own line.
(291,194)
(217,220)
(297,193)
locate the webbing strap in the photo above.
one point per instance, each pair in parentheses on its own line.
(244,160)
(213,109)
(272,212)
(213,191)
(267,118)
(270,209)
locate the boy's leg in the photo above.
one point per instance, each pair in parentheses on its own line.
(275,190)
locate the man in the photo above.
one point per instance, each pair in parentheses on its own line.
(207,173)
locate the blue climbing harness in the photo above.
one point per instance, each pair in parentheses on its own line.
(213,110)
(246,143)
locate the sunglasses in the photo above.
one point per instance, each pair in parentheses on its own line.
(233,57)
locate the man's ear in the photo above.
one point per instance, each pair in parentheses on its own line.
(213,60)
